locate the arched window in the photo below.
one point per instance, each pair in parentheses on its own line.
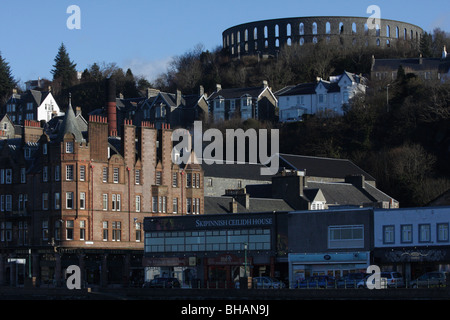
(315,40)
(277,43)
(405,34)
(397,32)
(266,32)
(238,37)
(302,41)
(366,29)
(232,39)
(388,31)
(314,28)
(341,28)
(354,28)
(289,41)
(255,33)
(388,43)
(301,29)
(378,42)
(266,44)
(288,30)
(277,31)
(246,35)
(328,28)
(378,30)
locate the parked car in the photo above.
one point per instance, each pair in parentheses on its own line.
(430,279)
(350,280)
(363,282)
(394,279)
(162,283)
(316,282)
(266,283)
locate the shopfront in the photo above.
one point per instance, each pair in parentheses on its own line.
(215,250)
(334,264)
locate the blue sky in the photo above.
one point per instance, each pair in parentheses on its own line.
(145,34)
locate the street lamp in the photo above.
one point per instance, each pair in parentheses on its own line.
(245,261)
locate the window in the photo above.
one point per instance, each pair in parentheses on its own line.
(2,202)
(105,174)
(406,233)
(424,233)
(138,231)
(6,231)
(198,181)
(189,205)
(82,230)
(69,173)
(158,178)
(442,232)
(82,173)
(45,174)
(188,180)
(44,230)
(69,230)
(57,201)
(82,200)
(116,175)
(174,179)
(20,202)
(154,204)
(44,148)
(388,234)
(116,231)
(115,204)
(105,230)
(57,173)
(137,176)
(45,201)
(138,203)
(8,202)
(210,182)
(69,200)
(8,176)
(175,205)
(105,202)
(346,236)
(23,177)
(69,147)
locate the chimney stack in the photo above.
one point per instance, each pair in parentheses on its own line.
(111,106)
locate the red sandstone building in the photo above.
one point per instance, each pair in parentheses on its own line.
(75,193)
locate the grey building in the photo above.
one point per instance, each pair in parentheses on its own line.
(329,242)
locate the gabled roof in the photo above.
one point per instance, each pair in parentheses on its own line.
(410,63)
(236,93)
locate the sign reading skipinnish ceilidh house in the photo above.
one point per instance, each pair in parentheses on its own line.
(260,220)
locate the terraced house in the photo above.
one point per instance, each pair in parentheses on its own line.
(75,193)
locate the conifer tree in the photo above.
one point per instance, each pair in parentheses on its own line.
(7,82)
(64,71)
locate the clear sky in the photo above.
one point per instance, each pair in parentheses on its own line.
(145,34)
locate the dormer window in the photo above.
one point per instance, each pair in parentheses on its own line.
(246,101)
(69,147)
(27,153)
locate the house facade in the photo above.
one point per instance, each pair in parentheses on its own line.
(243,103)
(75,196)
(31,105)
(412,240)
(322,96)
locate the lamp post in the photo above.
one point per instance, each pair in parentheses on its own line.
(245,260)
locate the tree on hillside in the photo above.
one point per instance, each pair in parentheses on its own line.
(7,82)
(64,72)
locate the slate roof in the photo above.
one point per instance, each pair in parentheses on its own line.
(322,167)
(235,93)
(218,205)
(247,171)
(412,63)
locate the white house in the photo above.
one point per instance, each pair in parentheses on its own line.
(32,105)
(319,96)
